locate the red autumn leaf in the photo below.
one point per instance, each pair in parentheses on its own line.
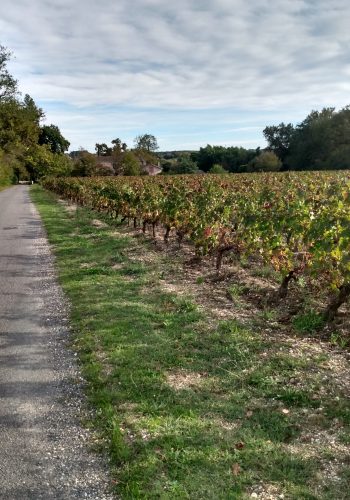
(240,445)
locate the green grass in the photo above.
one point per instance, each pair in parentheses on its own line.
(235,291)
(266,272)
(308,322)
(181,403)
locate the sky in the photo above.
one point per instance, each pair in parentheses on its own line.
(190,72)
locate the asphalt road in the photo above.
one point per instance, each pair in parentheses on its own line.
(44,451)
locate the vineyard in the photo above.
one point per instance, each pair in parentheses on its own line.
(298,223)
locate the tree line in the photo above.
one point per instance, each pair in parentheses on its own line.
(28,150)
(320,142)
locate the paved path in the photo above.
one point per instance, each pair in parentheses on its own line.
(43,450)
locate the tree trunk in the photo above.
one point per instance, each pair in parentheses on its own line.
(221,254)
(283,289)
(180,237)
(337,301)
(166,235)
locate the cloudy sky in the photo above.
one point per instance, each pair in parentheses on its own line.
(191,72)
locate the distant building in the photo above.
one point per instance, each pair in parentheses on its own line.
(150,168)
(108,163)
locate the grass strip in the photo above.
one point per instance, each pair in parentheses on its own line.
(188,410)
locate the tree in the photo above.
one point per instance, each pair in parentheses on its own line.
(117,156)
(146,142)
(26,149)
(314,141)
(40,162)
(103,149)
(130,164)
(18,129)
(184,165)
(7,170)
(84,165)
(233,159)
(8,85)
(321,141)
(279,139)
(217,169)
(117,144)
(32,110)
(51,135)
(267,161)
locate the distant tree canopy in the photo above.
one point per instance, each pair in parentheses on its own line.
(266,161)
(27,150)
(103,149)
(217,169)
(130,164)
(146,142)
(84,165)
(8,85)
(51,135)
(321,141)
(232,159)
(279,138)
(183,165)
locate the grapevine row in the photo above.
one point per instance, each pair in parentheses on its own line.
(297,222)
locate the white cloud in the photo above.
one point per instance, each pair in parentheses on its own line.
(288,56)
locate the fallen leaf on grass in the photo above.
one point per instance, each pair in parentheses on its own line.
(236,469)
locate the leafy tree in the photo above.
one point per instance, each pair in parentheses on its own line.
(184,165)
(51,135)
(146,142)
(118,145)
(279,139)
(25,148)
(99,148)
(19,125)
(321,141)
(267,161)
(7,172)
(8,85)
(217,169)
(103,149)
(84,165)
(117,156)
(312,142)
(33,112)
(41,162)
(130,164)
(19,132)
(233,159)
(166,165)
